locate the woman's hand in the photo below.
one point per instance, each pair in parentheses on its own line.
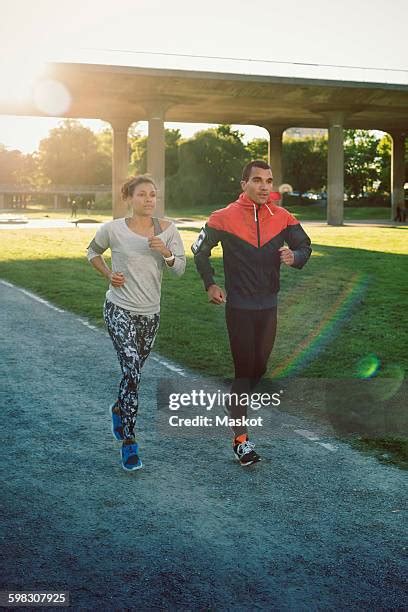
(156,244)
(117,279)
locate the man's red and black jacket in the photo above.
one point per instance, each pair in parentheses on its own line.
(251,236)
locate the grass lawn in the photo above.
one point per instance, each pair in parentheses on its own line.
(342,318)
(303,213)
(317,213)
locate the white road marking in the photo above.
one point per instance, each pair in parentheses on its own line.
(34,297)
(310,435)
(169,366)
(87,324)
(164,363)
(329,446)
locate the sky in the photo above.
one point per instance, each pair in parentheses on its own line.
(364,39)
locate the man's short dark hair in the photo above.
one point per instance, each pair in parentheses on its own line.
(257,163)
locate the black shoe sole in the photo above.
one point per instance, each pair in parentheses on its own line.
(249,462)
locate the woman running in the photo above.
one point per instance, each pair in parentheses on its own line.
(141,246)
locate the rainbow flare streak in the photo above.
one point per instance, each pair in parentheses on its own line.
(329,327)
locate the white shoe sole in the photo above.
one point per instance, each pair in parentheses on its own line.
(131,469)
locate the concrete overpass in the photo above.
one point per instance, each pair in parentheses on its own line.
(123,95)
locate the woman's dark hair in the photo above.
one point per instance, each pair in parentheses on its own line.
(258,163)
(131,184)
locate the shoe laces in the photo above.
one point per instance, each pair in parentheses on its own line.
(246,447)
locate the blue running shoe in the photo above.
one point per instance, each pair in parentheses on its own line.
(130,458)
(117,425)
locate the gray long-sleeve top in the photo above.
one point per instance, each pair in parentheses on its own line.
(141,266)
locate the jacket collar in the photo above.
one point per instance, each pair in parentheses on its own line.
(246,202)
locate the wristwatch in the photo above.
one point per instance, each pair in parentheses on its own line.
(169,259)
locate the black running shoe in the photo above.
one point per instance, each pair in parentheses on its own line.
(245,453)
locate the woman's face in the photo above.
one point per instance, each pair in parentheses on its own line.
(143,200)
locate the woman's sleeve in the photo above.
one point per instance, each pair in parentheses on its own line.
(175,245)
(99,243)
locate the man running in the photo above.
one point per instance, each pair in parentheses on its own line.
(252,231)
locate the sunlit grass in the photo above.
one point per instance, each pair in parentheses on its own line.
(303,213)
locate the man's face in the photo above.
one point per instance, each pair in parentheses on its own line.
(259,185)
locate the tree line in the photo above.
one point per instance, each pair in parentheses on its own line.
(204,169)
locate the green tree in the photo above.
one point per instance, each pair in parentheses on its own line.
(17,167)
(209,168)
(138,151)
(70,156)
(104,148)
(257,149)
(138,156)
(173,140)
(384,149)
(362,162)
(305,163)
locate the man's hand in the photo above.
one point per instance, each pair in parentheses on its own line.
(117,279)
(215,294)
(156,244)
(287,256)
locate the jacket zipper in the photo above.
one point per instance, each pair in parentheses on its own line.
(257,227)
(258,232)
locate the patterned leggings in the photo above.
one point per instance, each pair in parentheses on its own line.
(133,337)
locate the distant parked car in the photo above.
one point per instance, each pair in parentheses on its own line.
(309,195)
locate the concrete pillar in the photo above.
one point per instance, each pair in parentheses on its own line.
(2,201)
(56,201)
(156,152)
(335,170)
(120,163)
(275,153)
(397,171)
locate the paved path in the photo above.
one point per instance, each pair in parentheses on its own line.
(312,527)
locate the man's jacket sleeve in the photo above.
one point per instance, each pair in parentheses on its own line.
(299,242)
(207,239)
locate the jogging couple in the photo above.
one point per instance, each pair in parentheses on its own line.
(253,231)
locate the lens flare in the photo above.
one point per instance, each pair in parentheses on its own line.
(17,77)
(388,381)
(368,366)
(327,329)
(52,97)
